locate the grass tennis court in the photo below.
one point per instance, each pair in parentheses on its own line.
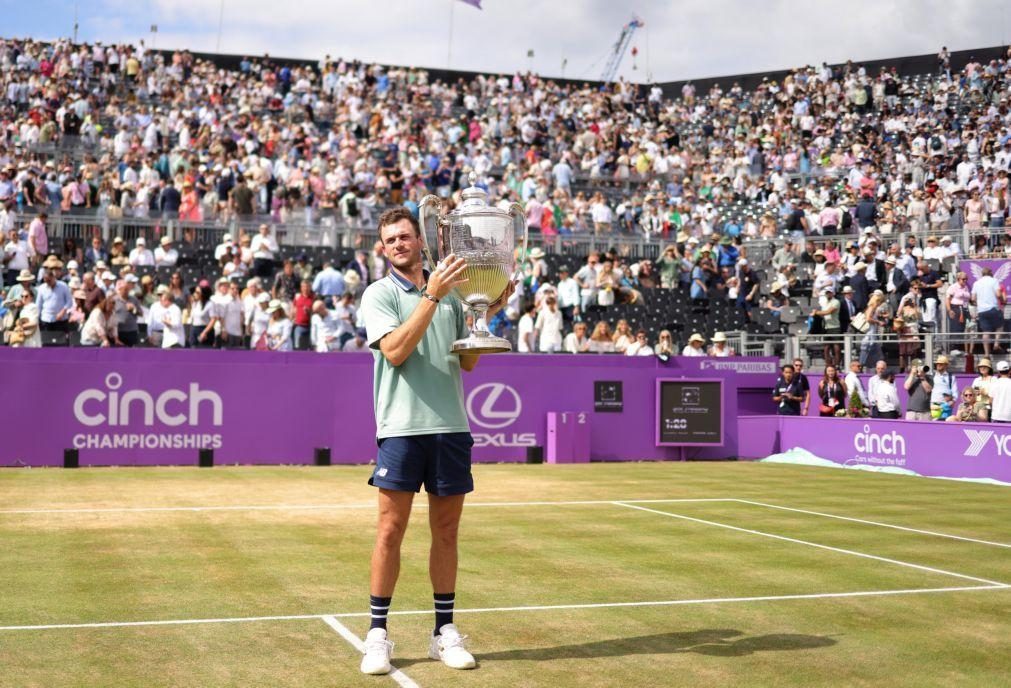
(660,574)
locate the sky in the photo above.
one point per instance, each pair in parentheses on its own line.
(681,39)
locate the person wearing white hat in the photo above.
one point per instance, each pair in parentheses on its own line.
(720,349)
(165,321)
(695,346)
(165,256)
(1000,394)
(224,248)
(141,256)
(279,328)
(259,320)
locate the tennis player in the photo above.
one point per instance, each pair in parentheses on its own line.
(424,438)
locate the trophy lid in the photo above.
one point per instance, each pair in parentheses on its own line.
(473,196)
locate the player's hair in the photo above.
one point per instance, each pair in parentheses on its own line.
(395,215)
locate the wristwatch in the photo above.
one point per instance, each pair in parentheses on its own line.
(430,297)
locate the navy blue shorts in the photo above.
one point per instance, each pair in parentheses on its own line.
(991,320)
(440,462)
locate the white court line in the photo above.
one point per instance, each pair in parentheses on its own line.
(397,675)
(529,608)
(325,507)
(876,523)
(813,544)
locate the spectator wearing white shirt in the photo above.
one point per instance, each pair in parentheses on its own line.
(324,329)
(548,327)
(880,371)
(568,294)
(165,256)
(345,315)
(525,342)
(15,256)
(576,342)
(140,256)
(227,315)
(278,337)
(1000,394)
(987,295)
(264,248)
(640,347)
(165,318)
(695,346)
(887,397)
(226,247)
(853,384)
(257,321)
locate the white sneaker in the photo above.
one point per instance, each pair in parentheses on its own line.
(449,646)
(378,651)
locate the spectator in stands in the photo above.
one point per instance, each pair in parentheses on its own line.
(568,295)
(346,315)
(695,346)
(1000,394)
(127,311)
(748,286)
(301,309)
(324,329)
(983,384)
(576,342)
(264,248)
(95,254)
(257,322)
(919,386)
(831,392)
(202,318)
(787,393)
(854,385)
(828,309)
(228,315)
(720,349)
(100,329)
(165,318)
(972,409)
(600,339)
(880,372)
(165,256)
(23,330)
(623,336)
(877,317)
(38,239)
(988,297)
(278,336)
(328,284)
(886,397)
(141,256)
(640,347)
(548,327)
(53,298)
(526,341)
(358,343)
(665,345)
(285,282)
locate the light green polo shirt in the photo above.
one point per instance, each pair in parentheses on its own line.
(424,395)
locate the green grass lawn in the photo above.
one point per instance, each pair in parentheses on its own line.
(741,608)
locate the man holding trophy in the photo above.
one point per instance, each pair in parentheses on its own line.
(416,328)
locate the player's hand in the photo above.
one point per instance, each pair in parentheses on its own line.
(501,301)
(446,276)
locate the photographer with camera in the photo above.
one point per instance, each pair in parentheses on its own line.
(919,384)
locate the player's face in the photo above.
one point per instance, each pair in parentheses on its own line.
(402,245)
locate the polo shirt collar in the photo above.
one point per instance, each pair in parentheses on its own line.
(404,283)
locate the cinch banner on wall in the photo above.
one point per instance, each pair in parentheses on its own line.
(146,407)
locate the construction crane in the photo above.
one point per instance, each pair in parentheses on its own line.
(620,46)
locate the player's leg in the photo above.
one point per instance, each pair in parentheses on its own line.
(447,484)
(394,514)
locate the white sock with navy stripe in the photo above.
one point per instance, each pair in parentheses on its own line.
(444,602)
(379,607)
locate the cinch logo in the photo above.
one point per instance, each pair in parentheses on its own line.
(500,405)
(173,407)
(977,441)
(891,444)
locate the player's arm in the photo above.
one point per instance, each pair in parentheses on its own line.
(399,344)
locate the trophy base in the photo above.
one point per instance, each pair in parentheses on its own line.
(488,344)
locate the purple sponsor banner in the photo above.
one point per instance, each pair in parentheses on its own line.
(944,450)
(152,407)
(1001,270)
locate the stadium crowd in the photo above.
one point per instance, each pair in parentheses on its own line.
(897,166)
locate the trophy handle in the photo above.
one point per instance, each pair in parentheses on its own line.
(428,218)
(519,216)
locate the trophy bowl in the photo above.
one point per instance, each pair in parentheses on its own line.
(484,236)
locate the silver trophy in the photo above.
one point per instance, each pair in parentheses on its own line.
(484,236)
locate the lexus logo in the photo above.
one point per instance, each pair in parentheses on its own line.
(494,405)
